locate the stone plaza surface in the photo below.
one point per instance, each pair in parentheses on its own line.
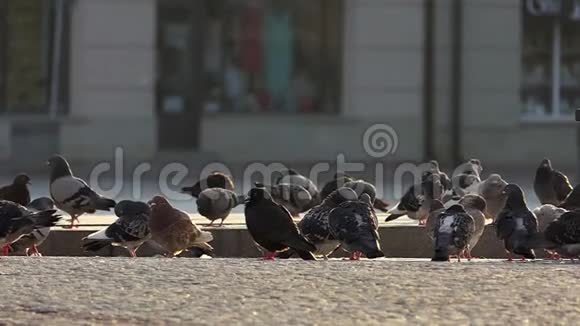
(83,291)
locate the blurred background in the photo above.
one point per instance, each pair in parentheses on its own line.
(293,81)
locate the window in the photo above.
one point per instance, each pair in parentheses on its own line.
(278,56)
(28,30)
(551,58)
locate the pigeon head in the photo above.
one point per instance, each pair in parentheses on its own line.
(546,163)
(515,196)
(258,194)
(42,204)
(158,201)
(21,180)
(493,186)
(59,167)
(365,198)
(129,208)
(473,201)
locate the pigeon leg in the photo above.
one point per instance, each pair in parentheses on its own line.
(133,252)
(6,250)
(468,255)
(269,256)
(222,222)
(509,254)
(356,255)
(211,223)
(34,251)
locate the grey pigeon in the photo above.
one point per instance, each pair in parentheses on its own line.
(17,220)
(516,224)
(572,202)
(453,233)
(433,169)
(217,203)
(271,226)
(364,187)
(295,198)
(214,180)
(355,225)
(551,186)
(462,184)
(436,209)
(474,205)
(72,194)
(129,231)
(292,177)
(17,192)
(337,181)
(29,243)
(314,226)
(471,166)
(491,189)
(416,203)
(546,214)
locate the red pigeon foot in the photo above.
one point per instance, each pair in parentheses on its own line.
(269,256)
(6,250)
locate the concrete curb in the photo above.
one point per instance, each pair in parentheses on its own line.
(396,241)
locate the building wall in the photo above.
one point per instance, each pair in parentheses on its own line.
(112,79)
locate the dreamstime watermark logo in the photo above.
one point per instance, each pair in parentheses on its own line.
(380,140)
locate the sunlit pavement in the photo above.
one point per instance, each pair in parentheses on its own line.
(250,291)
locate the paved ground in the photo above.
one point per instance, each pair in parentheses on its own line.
(74,291)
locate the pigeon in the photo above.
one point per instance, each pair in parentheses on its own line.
(462,184)
(314,226)
(516,224)
(292,177)
(72,194)
(338,181)
(417,200)
(361,186)
(271,226)
(453,233)
(471,166)
(16,221)
(546,214)
(355,225)
(129,231)
(433,169)
(491,189)
(572,202)
(295,198)
(214,180)
(217,203)
(474,205)
(551,186)
(173,230)
(17,192)
(29,243)
(563,235)
(436,209)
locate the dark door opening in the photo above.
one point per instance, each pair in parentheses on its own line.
(179,64)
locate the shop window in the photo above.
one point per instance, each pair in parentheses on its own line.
(272,56)
(551,58)
(27,44)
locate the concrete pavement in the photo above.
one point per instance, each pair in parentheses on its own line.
(158,291)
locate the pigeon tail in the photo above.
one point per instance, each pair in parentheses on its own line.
(374,254)
(305,255)
(299,243)
(525,252)
(45,218)
(104,204)
(440,255)
(381,205)
(95,245)
(204,236)
(201,249)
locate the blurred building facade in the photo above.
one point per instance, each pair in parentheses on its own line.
(294,80)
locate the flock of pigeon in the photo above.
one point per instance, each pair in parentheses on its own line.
(454,211)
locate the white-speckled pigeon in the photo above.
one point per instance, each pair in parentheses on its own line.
(355,225)
(129,231)
(29,243)
(72,194)
(453,233)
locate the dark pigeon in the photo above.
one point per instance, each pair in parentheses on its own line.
(433,169)
(16,221)
(551,186)
(563,235)
(416,203)
(29,243)
(572,202)
(355,225)
(453,233)
(17,192)
(129,231)
(516,224)
(272,228)
(72,194)
(214,180)
(217,203)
